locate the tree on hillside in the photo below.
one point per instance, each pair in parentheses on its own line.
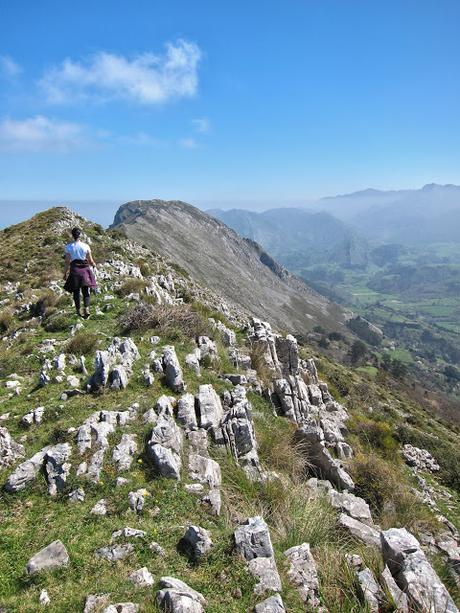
(357,351)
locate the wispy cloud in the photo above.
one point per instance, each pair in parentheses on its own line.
(201,125)
(188,143)
(8,67)
(144,79)
(141,139)
(40,133)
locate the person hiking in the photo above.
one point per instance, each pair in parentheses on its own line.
(78,274)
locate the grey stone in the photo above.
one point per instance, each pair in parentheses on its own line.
(413,573)
(367,534)
(44,598)
(265,571)
(141,577)
(33,417)
(56,467)
(95,466)
(172,370)
(100,508)
(186,415)
(94,602)
(128,533)
(204,470)
(25,473)
(370,590)
(398,596)
(165,404)
(303,574)
(137,500)
(420,459)
(352,505)
(213,500)
(77,495)
(10,451)
(192,361)
(196,542)
(167,463)
(210,410)
(50,557)
(274,604)
(329,467)
(158,549)
(124,452)
(113,553)
(122,607)
(177,597)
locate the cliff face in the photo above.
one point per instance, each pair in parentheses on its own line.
(219,258)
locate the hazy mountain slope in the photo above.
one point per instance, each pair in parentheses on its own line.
(217,257)
(297,237)
(408,216)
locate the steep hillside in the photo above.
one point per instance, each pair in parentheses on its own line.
(173,454)
(217,257)
(299,238)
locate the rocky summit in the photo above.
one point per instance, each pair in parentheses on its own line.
(183,451)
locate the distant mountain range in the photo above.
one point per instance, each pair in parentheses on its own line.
(429,214)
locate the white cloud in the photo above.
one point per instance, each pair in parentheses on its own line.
(188,143)
(201,125)
(40,134)
(8,66)
(145,79)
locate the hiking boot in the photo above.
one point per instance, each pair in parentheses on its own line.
(86,313)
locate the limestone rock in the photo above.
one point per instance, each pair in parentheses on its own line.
(122,607)
(44,598)
(113,553)
(370,590)
(413,573)
(123,453)
(253,543)
(204,470)
(137,500)
(398,596)
(274,604)
(420,459)
(367,534)
(352,505)
(33,417)
(100,508)
(141,577)
(50,557)
(192,361)
(10,451)
(56,467)
(239,435)
(210,410)
(94,602)
(303,574)
(196,542)
(77,495)
(186,415)
(177,597)
(172,370)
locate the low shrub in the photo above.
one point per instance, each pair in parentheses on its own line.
(168,320)
(131,286)
(386,488)
(56,322)
(6,319)
(373,434)
(82,343)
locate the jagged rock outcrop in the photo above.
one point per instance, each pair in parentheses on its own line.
(10,451)
(420,459)
(371,592)
(186,414)
(175,596)
(123,453)
(50,557)
(53,459)
(253,543)
(303,574)
(238,431)
(172,370)
(363,532)
(113,367)
(164,447)
(209,407)
(413,573)
(398,596)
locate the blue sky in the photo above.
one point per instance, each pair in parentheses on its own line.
(255,103)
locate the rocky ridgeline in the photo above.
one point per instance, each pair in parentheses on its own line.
(183,429)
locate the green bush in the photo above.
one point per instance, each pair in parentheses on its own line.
(131,286)
(57,322)
(373,434)
(82,343)
(6,318)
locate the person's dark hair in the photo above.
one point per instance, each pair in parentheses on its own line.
(76,232)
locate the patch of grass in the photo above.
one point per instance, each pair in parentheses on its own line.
(131,286)
(168,320)
(6,319)
(82,343)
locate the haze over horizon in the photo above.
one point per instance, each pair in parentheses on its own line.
(213,105)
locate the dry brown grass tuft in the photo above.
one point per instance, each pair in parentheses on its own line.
(168,320)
